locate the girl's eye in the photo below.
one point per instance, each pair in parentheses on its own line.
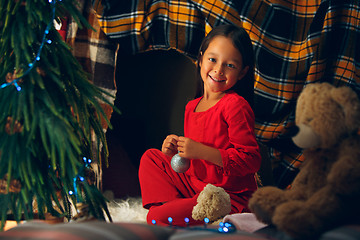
(212,60)
(230,65)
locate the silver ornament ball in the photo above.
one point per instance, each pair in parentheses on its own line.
(180,164)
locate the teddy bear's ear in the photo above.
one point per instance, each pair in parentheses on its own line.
(350,104)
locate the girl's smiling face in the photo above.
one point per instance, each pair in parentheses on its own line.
(221,66)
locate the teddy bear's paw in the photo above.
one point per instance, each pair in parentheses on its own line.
(344,176)
(293,219)
(263,203)
(261,214)
(212,203)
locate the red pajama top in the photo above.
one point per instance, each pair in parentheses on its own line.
(229,127)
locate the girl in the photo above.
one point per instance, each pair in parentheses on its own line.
(218,136)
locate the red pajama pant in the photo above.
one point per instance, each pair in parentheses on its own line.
(164,192)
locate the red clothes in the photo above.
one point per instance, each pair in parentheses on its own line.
(227,126)
(63,28)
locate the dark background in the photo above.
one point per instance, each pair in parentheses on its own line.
(152,91)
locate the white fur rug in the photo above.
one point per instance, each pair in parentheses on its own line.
(130,210)
(127,210)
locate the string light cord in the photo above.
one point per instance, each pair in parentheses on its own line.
(224,227)
(79,176)
(37,58)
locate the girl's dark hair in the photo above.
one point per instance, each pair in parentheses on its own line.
(242,42)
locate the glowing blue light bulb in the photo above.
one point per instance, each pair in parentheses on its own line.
(226,227)
(206,220)
(17,86)
(71,192)
(153,221)
(170,220)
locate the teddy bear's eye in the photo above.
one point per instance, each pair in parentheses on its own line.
(309,119)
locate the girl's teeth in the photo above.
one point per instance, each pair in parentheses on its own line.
(216,80)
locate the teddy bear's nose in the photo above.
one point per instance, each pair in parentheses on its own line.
(306,137)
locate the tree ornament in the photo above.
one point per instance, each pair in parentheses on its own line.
(11,79)
(14,186)
(41,71)
(180,164)
(12,126)
(83,213)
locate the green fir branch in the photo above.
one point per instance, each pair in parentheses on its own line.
(57,108)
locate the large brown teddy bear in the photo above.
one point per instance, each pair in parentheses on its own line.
(326,192)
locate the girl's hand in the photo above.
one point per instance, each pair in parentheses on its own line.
(169,146)
(189,148)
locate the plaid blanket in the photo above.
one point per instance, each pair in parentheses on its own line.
(94,52)
(295,42)
(97,56)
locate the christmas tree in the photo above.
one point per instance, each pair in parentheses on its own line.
(50,116)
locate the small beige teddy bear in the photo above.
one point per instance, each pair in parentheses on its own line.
(213,202)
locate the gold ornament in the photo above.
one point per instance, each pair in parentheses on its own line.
(41,71)
(14,187)
(83,214)
(12,126)
(10,77)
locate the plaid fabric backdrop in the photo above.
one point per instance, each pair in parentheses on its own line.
(94,52)
(97,56)
(295,42)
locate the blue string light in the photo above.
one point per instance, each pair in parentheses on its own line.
(223,227)
(226,227)
(37,58)
(78,177)
(170,220)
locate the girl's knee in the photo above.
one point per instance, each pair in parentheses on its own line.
(152,157)
(148,157)
(151,153)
